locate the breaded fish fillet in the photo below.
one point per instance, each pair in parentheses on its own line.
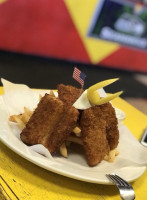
(43,120)
(68,94)
(93,128)
(63,129)
(50,123)
(111,124)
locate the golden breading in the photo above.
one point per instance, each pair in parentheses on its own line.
(111,124)
(50,124)
(43,120)
(63,129)
(93,128)
(68,94)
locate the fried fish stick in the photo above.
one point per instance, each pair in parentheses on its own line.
(68,94)
(63,129)
(43,121)
(112,124)
(93,129)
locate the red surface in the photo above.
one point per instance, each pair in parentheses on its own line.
(127,58)
(40,28)
(43,27)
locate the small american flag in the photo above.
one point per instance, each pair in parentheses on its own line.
(79,76)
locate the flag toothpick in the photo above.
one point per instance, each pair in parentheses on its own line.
(79,76)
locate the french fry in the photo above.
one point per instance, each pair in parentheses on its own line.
(12,117)
(111,156)
(28,112)
(63,150)
(40,96)
(20,123)
(52,93)
(21,119)
(77,131)
(75,140)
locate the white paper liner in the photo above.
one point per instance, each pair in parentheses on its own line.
(132,153)
(83,103)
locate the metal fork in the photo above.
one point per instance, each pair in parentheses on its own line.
(125,189)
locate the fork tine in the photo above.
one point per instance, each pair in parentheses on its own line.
(123,181)
(112,178)
(118,180)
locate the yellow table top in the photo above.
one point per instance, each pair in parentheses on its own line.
(30,182)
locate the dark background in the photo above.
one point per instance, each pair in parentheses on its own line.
(41,72)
